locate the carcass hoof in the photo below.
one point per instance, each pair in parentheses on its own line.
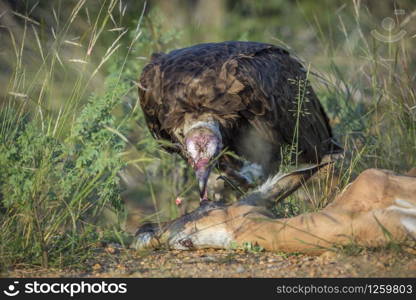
(146,237)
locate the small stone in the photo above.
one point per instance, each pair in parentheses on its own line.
(348,266)
(121,267)
(328,255)
(111,250)
(410,250)
(412,266)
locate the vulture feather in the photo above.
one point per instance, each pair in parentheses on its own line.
(251,98)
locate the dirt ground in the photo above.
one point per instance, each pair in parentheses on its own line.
(113,261)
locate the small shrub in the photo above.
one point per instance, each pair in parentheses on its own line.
(52,190)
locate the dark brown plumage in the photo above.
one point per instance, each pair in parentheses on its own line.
(252,90)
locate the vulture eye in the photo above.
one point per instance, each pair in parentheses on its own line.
(191,162)
(188,157)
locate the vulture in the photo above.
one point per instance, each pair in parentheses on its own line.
(251,99)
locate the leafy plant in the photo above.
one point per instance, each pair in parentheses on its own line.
(52,189)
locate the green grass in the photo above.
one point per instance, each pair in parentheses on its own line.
(59,165)
(71,126)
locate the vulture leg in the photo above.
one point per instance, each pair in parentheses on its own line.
(236,179)
(230,183)
(245,176)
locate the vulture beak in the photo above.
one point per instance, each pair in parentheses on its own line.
(202,171)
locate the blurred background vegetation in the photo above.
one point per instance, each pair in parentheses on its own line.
(77,162)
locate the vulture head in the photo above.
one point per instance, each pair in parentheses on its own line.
(203,142)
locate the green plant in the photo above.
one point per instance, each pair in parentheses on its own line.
(247,247)
(53,188)
(61,149)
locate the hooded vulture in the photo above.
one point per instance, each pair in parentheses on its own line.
(250,98)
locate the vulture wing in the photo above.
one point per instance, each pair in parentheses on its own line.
(280,103)
(152,102)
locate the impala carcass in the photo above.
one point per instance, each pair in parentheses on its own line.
(374,209)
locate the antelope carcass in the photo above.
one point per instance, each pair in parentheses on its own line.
(374,209)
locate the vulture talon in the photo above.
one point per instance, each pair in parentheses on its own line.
(204,202)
